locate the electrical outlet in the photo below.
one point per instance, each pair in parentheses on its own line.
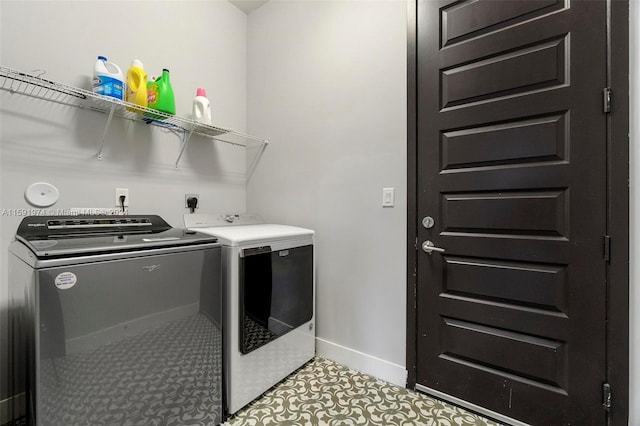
(120,192)
(186,198)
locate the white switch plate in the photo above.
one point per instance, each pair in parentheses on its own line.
(388,197)
(125,192)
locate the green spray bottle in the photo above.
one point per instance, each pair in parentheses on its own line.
(160,95)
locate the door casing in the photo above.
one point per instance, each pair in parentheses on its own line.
(617,204)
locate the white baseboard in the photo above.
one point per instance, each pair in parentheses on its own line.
(473,407)
(8,412)
(368,364)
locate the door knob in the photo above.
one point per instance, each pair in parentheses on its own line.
(429,248)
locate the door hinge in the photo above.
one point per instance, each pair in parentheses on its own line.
(606,396)
(607,248)
(606,97)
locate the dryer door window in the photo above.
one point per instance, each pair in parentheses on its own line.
(276,293)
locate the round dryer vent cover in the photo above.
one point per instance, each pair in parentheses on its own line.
(41,194)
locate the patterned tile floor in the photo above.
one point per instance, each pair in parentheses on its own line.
(324,392)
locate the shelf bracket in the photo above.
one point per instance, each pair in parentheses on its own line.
(256,159)
(106,130)
(185,141)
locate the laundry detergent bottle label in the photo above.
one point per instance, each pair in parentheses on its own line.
(152,94)
(108,86)
(160,95)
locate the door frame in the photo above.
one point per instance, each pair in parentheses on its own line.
(617,204)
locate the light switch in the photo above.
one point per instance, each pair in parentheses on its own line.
(387,197)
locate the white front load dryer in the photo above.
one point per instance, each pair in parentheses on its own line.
(268,279)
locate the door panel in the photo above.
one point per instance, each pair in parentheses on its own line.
(512,167)
(531,68)
(462,20)
(541,139)
(536,286)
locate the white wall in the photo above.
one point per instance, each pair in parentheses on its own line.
(203,44)
(327,83)
(634,213)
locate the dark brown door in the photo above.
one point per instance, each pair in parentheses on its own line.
(512,169)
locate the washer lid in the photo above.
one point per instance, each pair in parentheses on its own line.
(249,234)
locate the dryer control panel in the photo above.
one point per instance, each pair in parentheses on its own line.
(204,220)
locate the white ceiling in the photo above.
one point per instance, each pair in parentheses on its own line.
(248,6)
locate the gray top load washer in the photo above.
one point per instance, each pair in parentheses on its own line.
(117,321)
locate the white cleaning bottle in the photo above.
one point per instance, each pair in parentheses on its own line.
(201,107)
(108,79)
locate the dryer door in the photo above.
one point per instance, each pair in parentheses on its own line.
(276,293)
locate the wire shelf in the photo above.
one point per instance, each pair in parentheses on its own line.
(33,85)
